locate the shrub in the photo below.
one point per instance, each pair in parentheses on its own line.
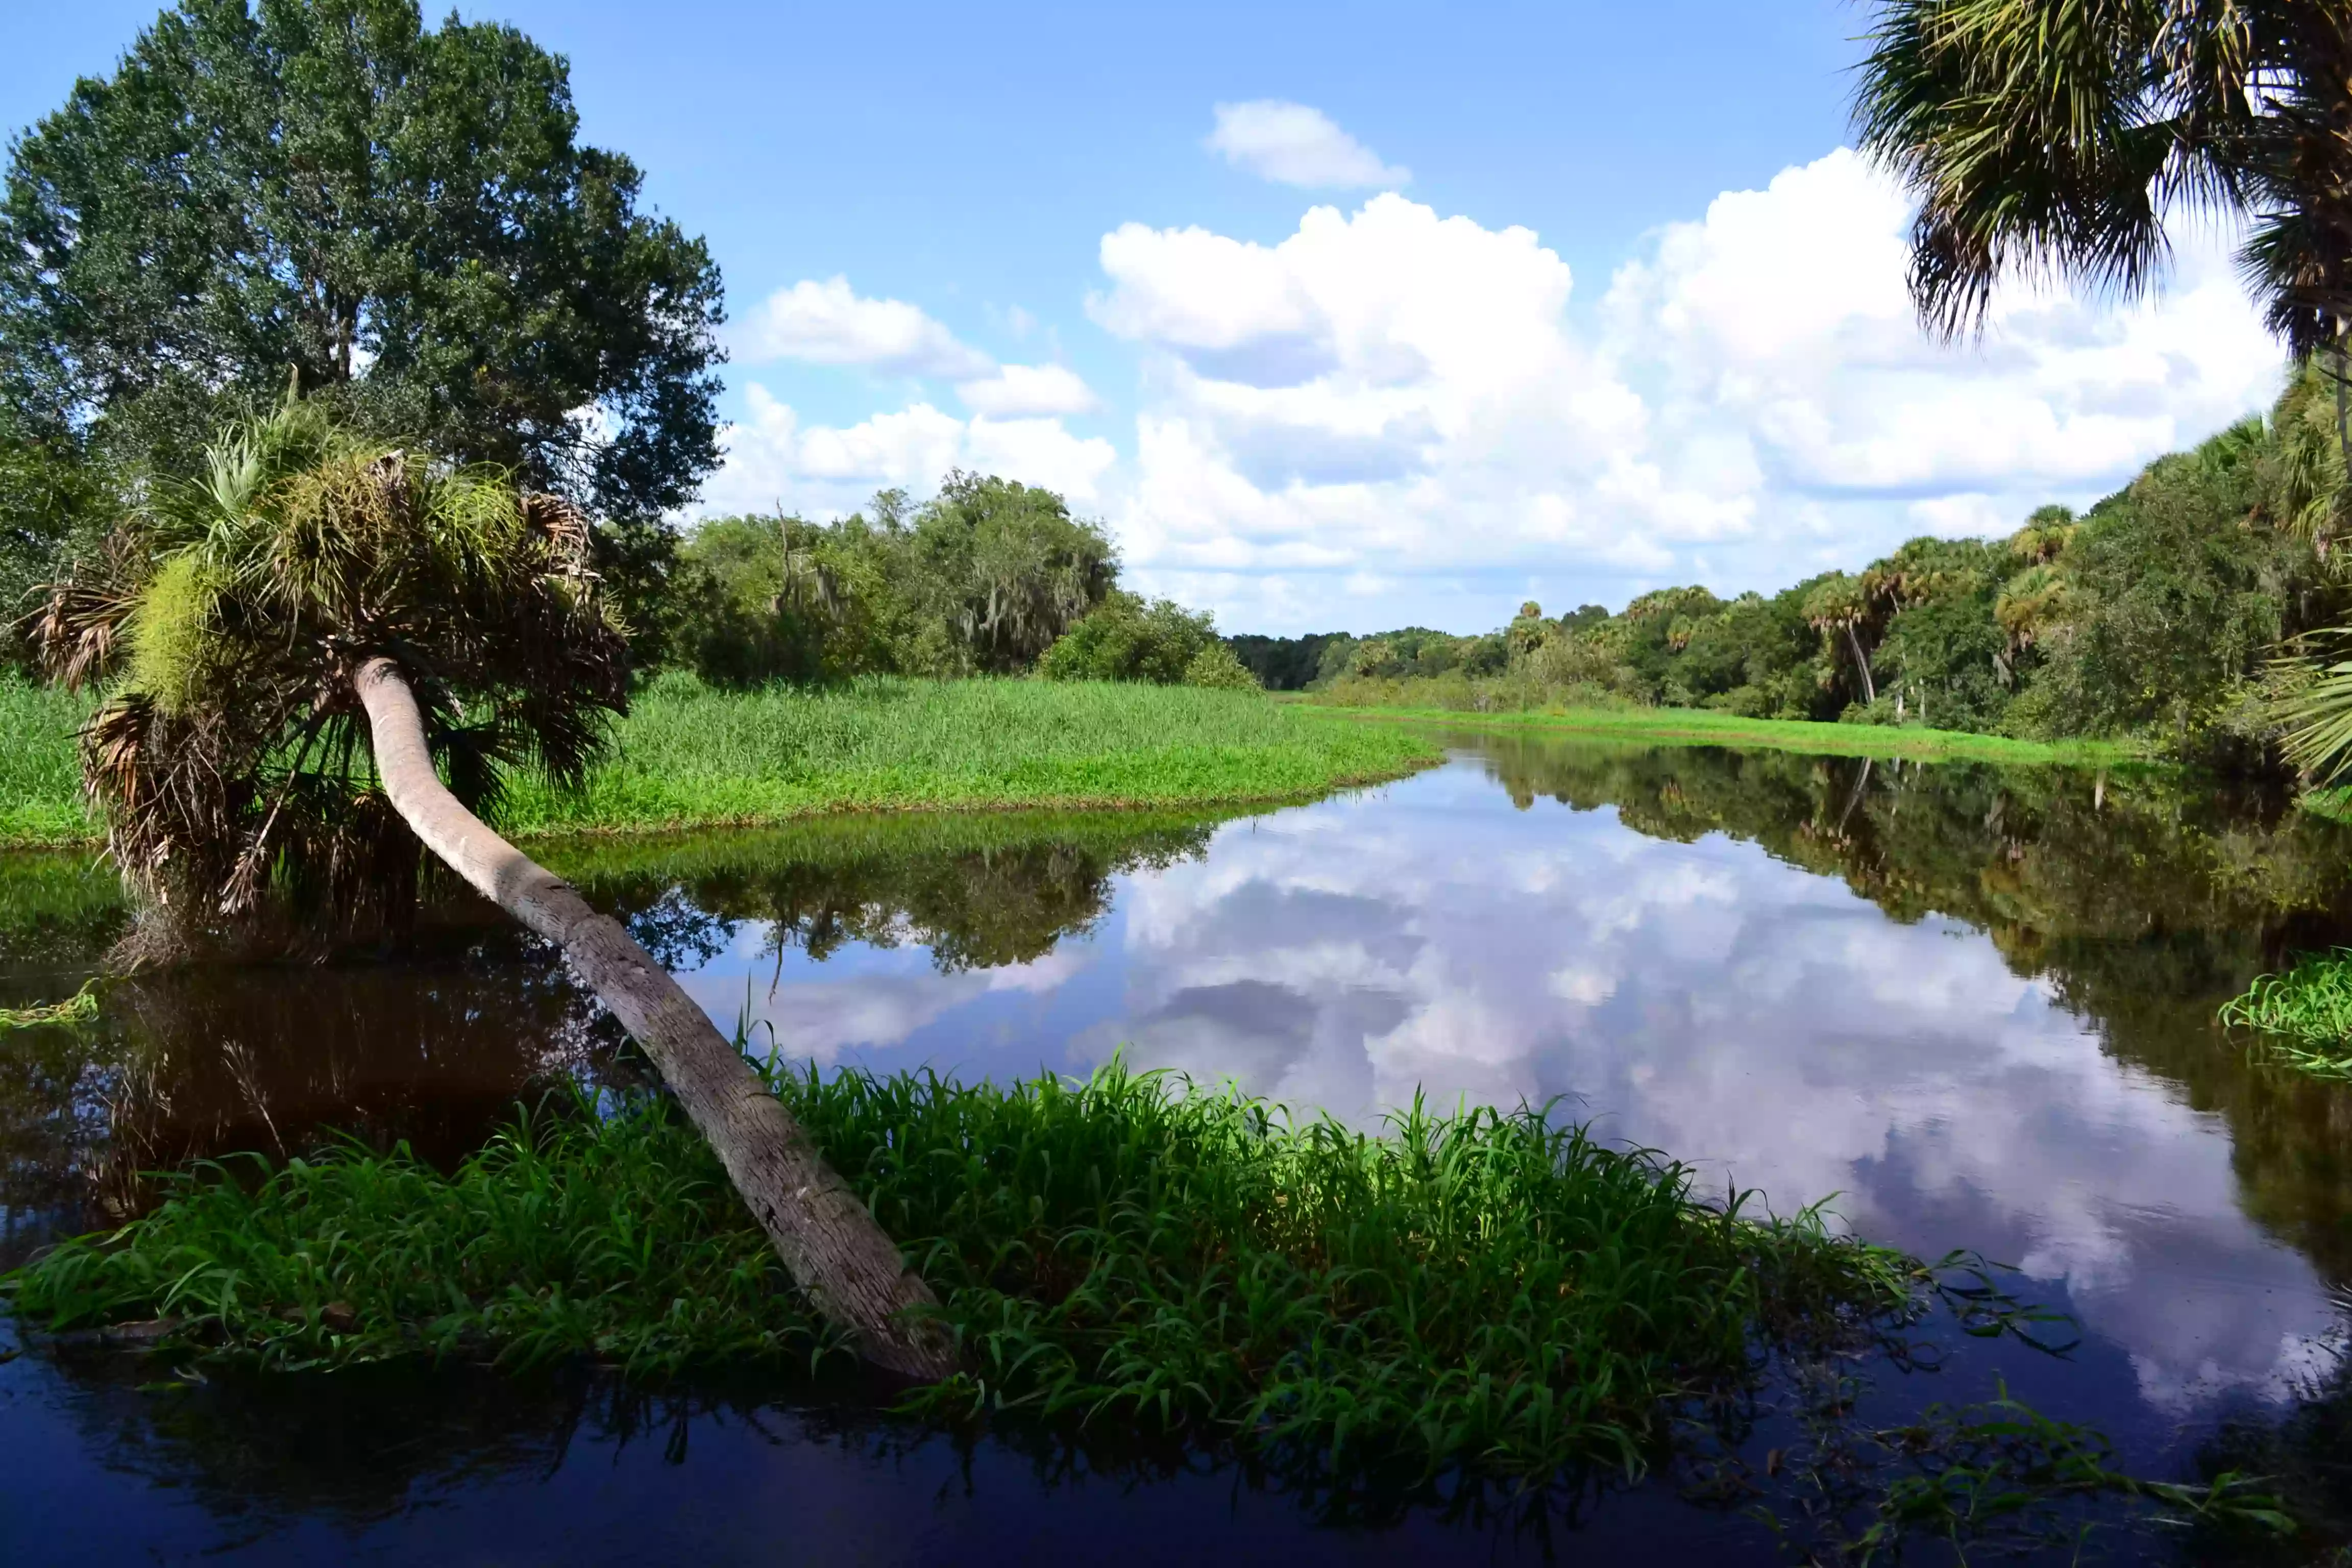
(1125,638)
(981,580)
(1218,668)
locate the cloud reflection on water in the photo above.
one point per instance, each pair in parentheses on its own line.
(1767,1023)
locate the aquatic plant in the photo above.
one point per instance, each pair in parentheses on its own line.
(1485,1288)
(1999,1476)
(81,1008)
(2306,1012)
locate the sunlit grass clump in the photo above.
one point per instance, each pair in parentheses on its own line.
(1489,1288)
(2307,1011)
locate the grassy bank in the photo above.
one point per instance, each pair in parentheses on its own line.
(689,756)
(1697,726)
(1488,1288)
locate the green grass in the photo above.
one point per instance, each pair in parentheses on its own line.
(1489,1288)
(688,756)
(40,768)
(1699,726)
(2304,1014)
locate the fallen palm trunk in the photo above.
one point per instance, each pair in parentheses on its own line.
(831,1246)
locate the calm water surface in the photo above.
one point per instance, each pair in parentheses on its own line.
(1966,1008)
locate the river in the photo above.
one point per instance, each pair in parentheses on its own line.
(1964,1007)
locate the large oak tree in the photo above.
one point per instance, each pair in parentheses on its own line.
(401,219)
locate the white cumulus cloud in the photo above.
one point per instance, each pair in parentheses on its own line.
(1019,389)
(775,460)
(1292,144)
(1783,314)
(1394,395)
(828,323)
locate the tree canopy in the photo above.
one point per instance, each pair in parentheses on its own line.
(2160,614)
(982,579)
(403,216)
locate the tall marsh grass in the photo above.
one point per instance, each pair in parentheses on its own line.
(1487,1288)
(40,768)
(689,755)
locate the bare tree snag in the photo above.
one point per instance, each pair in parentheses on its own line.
(831,1246)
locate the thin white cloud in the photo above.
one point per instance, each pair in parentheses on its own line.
(1028,389)
(1292,144)
(828,323)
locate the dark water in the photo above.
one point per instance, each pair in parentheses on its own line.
(1971,1008)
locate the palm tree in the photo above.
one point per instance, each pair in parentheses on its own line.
(298,649)
(1839,602)
(2057,137)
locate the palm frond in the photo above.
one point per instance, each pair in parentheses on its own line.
(2319,737)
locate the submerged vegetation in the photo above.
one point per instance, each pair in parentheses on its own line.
(1486,1288)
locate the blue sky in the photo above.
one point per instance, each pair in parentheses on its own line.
(1696,366)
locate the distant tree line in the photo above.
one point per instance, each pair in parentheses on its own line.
(2170,611)
(988,577)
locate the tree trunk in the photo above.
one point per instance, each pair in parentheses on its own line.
(1869,687)
(830,1243)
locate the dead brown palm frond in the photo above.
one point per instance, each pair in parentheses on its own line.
(225,622)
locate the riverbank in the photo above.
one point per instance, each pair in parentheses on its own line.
(1702,727)
(689,756)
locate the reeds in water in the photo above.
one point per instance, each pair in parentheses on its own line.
(2305,1013)
(1495,1290)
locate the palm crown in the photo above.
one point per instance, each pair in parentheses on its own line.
(225,621)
